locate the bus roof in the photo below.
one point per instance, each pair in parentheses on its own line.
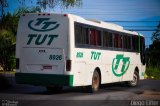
(103,24)
(93,22)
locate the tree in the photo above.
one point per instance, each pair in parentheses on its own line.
(156,34)
(8,25)
(153,52)
(44,4)
(22,10)
(3,4)
(7,39)
(8,30)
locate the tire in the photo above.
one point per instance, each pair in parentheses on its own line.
(54,89)
(135,80)
(95,82)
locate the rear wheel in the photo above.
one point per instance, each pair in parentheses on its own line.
(95,82)
(135,80)
(54,89)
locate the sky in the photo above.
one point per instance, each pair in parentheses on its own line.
(139,14)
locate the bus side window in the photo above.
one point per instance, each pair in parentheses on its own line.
(98,37)
(119,41)
(92,37)
(81,35)
(85,35)
(95,37)
(110,37)
(142,50)
(135,43)
(128,42)
(78,33)
(124,42)
(107,39)
(105,44)
(115,40)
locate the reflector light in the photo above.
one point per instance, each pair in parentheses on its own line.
(47,67)
(65,15)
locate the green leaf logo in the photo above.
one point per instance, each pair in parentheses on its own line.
(42,24)
(116,64)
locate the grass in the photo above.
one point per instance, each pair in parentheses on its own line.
(153,73)
(8,72)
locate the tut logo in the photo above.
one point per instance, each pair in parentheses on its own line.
(42,24)
(116,65)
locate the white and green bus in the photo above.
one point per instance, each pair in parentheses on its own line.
(56,50)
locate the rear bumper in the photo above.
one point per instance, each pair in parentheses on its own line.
(44,79)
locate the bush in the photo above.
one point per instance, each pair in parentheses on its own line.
(153,73)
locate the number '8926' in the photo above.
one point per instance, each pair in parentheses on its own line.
(55,57)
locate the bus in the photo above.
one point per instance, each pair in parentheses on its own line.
(57,50)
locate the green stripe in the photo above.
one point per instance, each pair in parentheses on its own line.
(44,79)
(139,43)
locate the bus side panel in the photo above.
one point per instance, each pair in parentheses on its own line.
(134,60)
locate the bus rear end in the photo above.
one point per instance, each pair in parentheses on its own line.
(41,50)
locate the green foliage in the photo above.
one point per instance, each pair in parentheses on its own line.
(156,34)
(23,10)
(8,30)
(9,22)
(3,4)
(153,52)
(7,40)
(153,56)
(153,73)
(44,4)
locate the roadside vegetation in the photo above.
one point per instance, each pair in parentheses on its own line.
(153,73)
(153,56)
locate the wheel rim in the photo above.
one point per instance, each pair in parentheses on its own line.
(95,82)
(135,78)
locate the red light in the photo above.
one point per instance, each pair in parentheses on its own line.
(47,67)
(68,65)
(65,15)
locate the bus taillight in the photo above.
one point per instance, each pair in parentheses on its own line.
(68,65)
(65,15)
(17,63)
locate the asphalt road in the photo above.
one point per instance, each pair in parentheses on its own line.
(109,95)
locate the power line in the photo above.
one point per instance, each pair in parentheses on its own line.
(141,26)
(142,29)
(113,14)
(133,21)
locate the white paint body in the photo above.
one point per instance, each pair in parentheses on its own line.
(32,60)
